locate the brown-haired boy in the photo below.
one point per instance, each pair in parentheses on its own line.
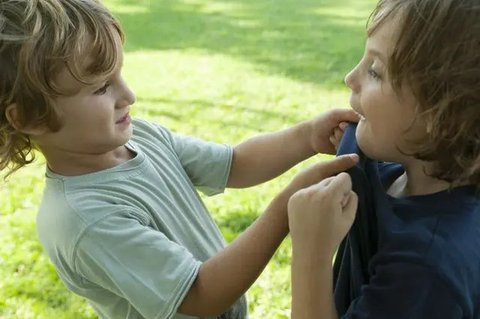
(413,251)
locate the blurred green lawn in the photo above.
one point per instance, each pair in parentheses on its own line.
(221,70)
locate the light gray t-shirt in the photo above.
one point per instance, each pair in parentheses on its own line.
(131,238)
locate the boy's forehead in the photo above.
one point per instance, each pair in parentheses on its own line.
(66,79)
(385,35)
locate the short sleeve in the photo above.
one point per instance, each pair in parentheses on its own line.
(136,263)
(405,291)
(207,164)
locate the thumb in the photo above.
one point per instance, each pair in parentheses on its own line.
(350,210)
(340,186)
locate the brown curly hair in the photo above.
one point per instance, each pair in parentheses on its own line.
(38,39)
(438,54)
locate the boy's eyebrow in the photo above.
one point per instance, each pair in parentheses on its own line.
(377,53)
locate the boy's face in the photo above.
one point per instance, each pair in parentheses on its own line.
(387,118)
(95,120)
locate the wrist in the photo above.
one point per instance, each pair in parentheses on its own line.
(309,133)
(304,133)
(278,207)
(310,256)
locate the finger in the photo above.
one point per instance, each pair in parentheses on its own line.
(338,134)
(337,165)
(333,140)
(346,115)
(343,125)
(345,200)
(319,171)
(340,186)
(324,182)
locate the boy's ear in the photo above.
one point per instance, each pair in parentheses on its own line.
(11,113)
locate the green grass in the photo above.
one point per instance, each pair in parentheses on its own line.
(221,70)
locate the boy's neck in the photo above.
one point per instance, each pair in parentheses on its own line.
(75,164)
(415,181)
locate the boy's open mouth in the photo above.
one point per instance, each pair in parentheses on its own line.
(125,118)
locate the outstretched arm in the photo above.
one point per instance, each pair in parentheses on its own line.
(266,156)
(223,278)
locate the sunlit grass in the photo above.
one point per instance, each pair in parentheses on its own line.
(220,70)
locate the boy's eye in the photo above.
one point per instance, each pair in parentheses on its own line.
(373,74)
(102,90)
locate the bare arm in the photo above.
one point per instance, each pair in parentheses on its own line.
(319,218)
(226,276)
(312,286)
(266,156)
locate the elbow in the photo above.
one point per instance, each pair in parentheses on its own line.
(203,310)
(199,303)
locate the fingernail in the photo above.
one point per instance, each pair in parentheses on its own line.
(343,125)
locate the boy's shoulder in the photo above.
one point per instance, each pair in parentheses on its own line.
(444,222)
(154,139)
(145,130)
(438,231)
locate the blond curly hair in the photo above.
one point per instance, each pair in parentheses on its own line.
(38,39)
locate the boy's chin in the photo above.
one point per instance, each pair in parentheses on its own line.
(369,151)
(364,145)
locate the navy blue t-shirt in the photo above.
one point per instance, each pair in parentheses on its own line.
(410,257)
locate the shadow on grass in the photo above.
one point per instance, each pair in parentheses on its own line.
(311,41)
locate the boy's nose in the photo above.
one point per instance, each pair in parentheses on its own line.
(130,96)
(127,96)
(349,79)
